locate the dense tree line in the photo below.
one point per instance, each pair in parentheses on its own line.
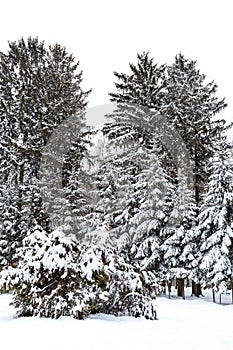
(154,104)
(156,206)
(40,90)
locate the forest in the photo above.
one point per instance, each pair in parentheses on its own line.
(88,226)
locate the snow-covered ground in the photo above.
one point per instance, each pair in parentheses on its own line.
(194,324)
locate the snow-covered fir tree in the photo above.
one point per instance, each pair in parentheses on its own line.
(144,230)
(215,228)
(179,244)
(187,106)
(39,89)
(190,105)
(180,94)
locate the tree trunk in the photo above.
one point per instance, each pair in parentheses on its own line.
(196,289)
(183,293)
(199,292)
(169,289)
(180,288)
(213,293)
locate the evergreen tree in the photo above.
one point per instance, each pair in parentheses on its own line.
(190,105)
(186,107)
(179,245)
(215,225)
(143,87)
(39,89)
(135,127)
(145,228)
(179,93)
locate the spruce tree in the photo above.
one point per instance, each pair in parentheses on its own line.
(179,244)
(143,87)
(180,94)
(190,105)
(215,227)
(139,97)
(39,89)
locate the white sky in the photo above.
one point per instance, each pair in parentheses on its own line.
(106,35)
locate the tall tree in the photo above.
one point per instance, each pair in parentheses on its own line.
(39,89)
(215,227)
(190,104)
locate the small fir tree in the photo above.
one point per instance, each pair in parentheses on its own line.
(215,225)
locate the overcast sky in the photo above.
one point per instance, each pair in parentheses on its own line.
(106,35)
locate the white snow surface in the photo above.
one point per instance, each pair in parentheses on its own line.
(194,324)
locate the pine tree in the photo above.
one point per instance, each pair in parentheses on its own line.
(215,225)
(144,87)
(140,96)
(190,104)
(179,245)
(39,89)
(178,115)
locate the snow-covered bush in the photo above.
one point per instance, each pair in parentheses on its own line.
(57,277)
(45,280)
(126,291)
